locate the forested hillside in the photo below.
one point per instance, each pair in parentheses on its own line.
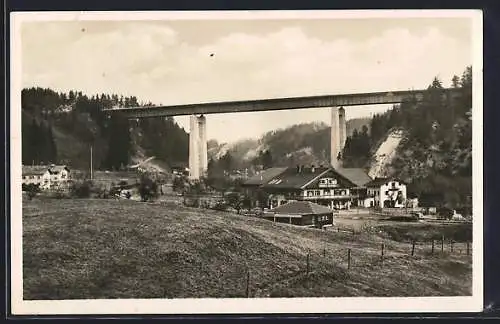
(61,128)
(306,144)
(435,154)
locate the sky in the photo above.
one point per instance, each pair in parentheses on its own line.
(171,62)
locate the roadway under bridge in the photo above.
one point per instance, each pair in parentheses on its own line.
(197,135)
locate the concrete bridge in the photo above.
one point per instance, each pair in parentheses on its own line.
(198,160)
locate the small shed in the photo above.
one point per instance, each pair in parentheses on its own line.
(301,213)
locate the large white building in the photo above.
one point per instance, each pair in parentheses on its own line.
(47,177)
(385,193)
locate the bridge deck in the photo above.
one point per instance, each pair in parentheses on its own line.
(356,99)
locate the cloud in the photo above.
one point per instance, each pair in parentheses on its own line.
(152,62)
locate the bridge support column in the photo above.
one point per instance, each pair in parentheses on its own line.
(202,126)
(335,138)
(198,159)
(342,128)
(338,136)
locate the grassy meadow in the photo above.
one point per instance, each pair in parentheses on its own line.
(91,248)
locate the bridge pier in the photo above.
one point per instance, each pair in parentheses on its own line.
(338,136)
(198,155)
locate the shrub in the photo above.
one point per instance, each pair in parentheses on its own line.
(191,202)
(148,188)
(234,200)
(81,189)
(220,205)
(31,189)
(178,184)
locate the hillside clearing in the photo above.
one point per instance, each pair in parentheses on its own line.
(91,248)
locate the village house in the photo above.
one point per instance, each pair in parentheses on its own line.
(360,178)
(47,177)
(322,185)
(385,193)
(302,213)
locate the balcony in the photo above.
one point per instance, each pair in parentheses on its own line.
(328,196)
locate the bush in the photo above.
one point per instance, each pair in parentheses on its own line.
(81,189)
(191,202)
(234,200)
(148,188)
(220,205)
(178,184)
(31,189)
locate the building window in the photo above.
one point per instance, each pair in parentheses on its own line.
(387,192)
(317,193)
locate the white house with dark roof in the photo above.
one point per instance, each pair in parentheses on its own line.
(386,193)
(38,175)
(322,185)
(334,188)
(48,177)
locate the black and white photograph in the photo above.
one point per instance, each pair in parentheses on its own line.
(246,162)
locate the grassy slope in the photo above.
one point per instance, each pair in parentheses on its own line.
(124,249)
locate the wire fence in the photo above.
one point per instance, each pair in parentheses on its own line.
(350,258)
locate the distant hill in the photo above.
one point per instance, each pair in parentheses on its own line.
(61,128)
(307,143)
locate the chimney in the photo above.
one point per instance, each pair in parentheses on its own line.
(312,168)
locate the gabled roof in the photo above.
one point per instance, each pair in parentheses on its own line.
(292,179)
(357,176)
(57,168)
(301,208)
(41,169)
(263,177)
(377,182)
(34,170)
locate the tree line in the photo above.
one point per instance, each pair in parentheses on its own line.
(435,156)
(38,145)
(82,123)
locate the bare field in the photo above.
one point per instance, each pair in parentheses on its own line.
(89,248)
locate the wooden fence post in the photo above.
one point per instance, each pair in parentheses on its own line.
(324,252)
(307,270)
(468,248)
(442,244)
(451,246)
(412,248)
(432,250)
(349,259)
(248,283)
(382,253)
